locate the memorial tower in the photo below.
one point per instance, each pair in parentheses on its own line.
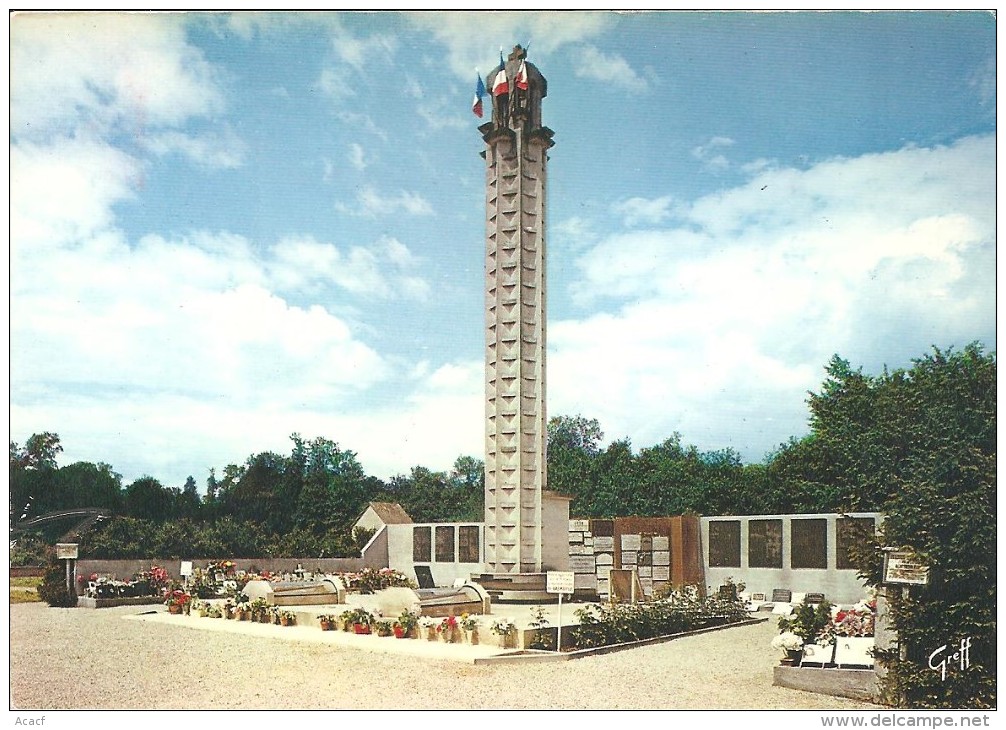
(515,424)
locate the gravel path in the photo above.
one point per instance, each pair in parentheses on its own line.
(96,659)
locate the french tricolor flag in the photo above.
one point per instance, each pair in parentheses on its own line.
(480,91)
(500,83)
(521,79)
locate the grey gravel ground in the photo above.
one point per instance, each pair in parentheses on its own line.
(97,659)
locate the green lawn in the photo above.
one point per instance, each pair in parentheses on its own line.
(24,590)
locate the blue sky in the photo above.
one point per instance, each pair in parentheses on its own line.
(226,228)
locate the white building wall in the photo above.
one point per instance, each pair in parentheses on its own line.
(400,553)
(838,585)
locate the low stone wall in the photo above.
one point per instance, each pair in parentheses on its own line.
(856,684)
(85,602)
(125,569)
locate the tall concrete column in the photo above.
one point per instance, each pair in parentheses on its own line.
(515,429)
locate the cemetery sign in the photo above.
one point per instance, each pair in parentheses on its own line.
(903,566)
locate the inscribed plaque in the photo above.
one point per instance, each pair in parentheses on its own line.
(645,571)
(575,537)
(661,557)
(579,525)
(724,544)
(631,542)
(603,543)
(581,563)
(661,572)
(629,559)
(852,530)
(809,544)
(604,559)
(765,543)
(661,542)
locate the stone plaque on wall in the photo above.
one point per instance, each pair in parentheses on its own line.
(661,572)
(585,580)
(603,543)
(604,559)
(661,542)
(629,559)
(575,549)
(724,544)
(602,572)
(647,585)
(631,542)
(575,537)
(661,557)
(645,571)
(602,585)
(588,541)
(579,525)
(581,563)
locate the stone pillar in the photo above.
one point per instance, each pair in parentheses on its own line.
(516,420)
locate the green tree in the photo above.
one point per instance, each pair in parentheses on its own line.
(920,446)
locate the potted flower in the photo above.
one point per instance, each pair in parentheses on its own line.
(447,628)
(506,629)
(346,619)
(326,621)
(470,625)
(287,618)
(431,627)
(177,600)
(792,645)
(384,628)
(406,624)
(362,621)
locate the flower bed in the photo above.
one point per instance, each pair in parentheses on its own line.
(810,632)
(680,611)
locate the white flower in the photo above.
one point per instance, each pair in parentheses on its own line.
(787,641)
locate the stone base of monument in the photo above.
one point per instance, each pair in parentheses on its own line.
(856,684)
(516,587)
(470,598)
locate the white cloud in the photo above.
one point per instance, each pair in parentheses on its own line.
(708,153)
(370,203)
(225,150)
(642,210)
(102,71)
(733,313)
(608,68)
(356,157)
(473,37)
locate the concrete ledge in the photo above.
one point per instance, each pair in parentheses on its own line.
(535,655)
(856,684)
(85,602)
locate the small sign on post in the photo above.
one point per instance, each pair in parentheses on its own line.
(67,551)
(561,582)
(904,567)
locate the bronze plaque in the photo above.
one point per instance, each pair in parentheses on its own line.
(468,544)
(725,544)
(765,543)
(445,544)
(421,545)
(809,547)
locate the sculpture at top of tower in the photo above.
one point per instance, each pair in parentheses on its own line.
(518,101)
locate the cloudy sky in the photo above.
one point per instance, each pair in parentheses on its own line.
(229,228)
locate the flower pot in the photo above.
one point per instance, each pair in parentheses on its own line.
(400,632)
(326,625)
(361,629)
(473,637)
(793,657)
(174,609)
(284,621)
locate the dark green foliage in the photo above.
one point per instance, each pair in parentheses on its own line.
(808,620)
(53,590)
(920,446)
(685,610)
